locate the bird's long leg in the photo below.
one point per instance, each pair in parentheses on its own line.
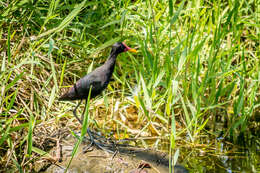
(75,112)
(93,136)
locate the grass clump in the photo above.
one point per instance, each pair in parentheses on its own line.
(197,65)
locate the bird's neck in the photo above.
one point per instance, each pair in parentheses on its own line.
(111,61)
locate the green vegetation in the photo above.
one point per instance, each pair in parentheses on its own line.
(197,65)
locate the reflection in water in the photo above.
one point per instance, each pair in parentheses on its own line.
(215,155)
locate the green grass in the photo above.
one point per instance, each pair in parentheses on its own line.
(197,64)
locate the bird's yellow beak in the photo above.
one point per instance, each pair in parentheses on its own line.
(132,50)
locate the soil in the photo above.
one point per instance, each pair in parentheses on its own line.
(124,159)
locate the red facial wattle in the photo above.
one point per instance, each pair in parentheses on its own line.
(128,48)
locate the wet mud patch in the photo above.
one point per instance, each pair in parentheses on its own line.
(124,159)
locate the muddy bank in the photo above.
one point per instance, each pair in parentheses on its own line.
(126,160)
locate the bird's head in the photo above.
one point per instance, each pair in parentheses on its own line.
(120,47)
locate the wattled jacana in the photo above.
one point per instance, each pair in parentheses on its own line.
(97,80)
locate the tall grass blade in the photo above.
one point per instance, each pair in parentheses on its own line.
(176,15)
(30,134)
(18,166)
(8,44)
(66,21)
(83,130)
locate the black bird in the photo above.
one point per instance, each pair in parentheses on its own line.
(97,80)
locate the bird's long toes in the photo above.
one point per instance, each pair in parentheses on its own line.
(97,141)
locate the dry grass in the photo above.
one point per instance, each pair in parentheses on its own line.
(197,65)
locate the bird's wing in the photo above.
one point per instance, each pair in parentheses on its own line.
(84,84)
(81,88)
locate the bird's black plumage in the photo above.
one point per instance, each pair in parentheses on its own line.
(98,79)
